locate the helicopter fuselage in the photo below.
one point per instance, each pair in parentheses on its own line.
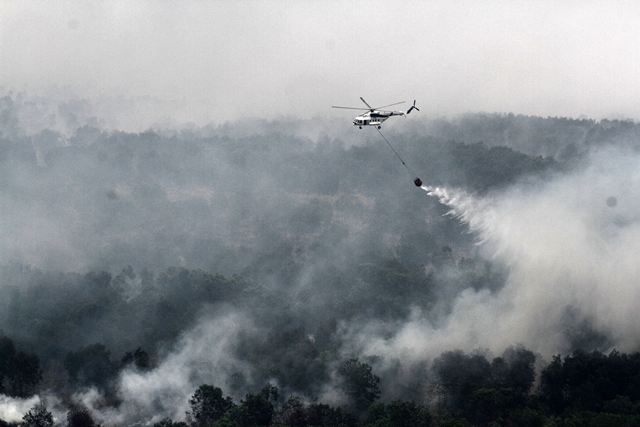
(374,118)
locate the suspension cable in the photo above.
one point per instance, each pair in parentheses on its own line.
(396,153)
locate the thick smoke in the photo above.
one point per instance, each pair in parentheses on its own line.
(570,256)
(202,355)
(13,409)
(328,252)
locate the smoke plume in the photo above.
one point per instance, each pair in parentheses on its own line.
(570,255)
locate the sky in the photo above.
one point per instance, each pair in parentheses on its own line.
(216,61)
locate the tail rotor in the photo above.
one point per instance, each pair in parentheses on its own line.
(413,107)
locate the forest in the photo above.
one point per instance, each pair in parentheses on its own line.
(263,275)
(581,389)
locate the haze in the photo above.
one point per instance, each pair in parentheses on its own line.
(182,210)
(207,62)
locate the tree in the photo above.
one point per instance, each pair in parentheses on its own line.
(208,405)
(168,422)
(398,414)
(19,371)
(408,414)
(293,413)
(359,383)
(484,392)
(257,410)
(7,354)
(586,381)
(139,358)
(520,372)
(79,416)
(91,365)
(38,416)
(253,411)
(321,415)
(459,375)
(26,374)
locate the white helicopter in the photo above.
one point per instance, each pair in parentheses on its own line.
(374,116)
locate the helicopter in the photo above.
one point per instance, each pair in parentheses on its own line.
(375,116)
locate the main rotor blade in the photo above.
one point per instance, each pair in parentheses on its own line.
(350,108)
(365,103)
(390,105)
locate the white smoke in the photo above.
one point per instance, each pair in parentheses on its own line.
(570,245)
(203,355)
(13,409)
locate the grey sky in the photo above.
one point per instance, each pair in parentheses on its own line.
(214,61)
